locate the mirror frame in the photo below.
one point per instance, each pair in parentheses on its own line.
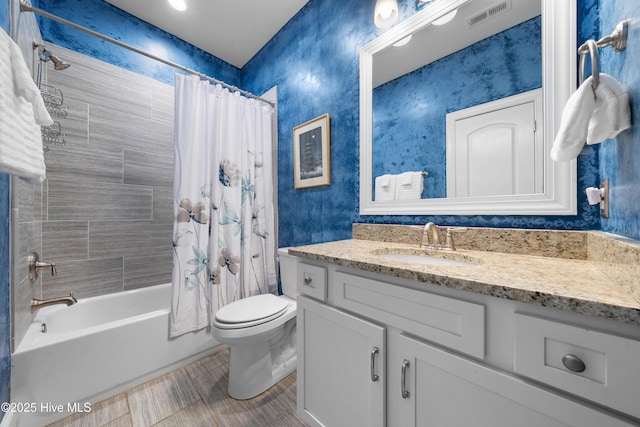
(558,82)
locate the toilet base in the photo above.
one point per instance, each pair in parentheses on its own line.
(256,367)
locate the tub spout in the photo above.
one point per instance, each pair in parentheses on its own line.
(37,304)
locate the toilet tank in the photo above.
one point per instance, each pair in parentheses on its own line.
(288,269)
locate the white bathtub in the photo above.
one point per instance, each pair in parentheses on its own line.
(97,348)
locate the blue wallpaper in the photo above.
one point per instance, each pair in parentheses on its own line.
(620,157)
(5,310)
(409,120)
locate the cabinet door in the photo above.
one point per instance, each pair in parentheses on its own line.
(341,375)
(448,390)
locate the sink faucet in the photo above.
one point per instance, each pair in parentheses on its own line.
(37,304)
(430,236)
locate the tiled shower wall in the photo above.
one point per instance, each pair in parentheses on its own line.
(106,204)
(107,211)
(26,209)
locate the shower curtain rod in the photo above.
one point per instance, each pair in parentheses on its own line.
(24,7)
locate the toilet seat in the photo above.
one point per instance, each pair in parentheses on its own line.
(250,311)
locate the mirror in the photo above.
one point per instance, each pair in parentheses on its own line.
(556,195)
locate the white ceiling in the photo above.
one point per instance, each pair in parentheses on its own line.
(232,30)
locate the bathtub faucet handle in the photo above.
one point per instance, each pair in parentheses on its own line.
(35,265)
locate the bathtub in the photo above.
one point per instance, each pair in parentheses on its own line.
(94,349)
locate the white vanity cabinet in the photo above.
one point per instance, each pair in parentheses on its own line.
(341,381)
(378,351)
(446,389)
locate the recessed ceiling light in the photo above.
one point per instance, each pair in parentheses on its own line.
(178,4)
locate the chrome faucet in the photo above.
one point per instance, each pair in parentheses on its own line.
(430,236)
(37,304)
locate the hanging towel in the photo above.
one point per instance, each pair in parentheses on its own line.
(409,186)
(574,124)
(385,188)
(22,112)
(612,114)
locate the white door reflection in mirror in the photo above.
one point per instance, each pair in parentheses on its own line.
(496,148)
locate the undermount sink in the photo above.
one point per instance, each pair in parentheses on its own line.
(424,257)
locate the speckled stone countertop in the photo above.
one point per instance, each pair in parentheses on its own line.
(590,273)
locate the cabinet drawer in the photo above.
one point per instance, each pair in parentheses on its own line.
(446,321)
(312,281)
(595,365)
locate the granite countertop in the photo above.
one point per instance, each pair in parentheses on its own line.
(578,285)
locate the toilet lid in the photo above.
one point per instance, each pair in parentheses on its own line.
(256,309)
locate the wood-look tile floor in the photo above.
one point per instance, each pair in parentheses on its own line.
(193,396)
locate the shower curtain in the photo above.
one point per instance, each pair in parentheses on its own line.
(223,232)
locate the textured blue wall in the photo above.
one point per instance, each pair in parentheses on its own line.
(106,19)
(314,62)
(620,157)
(5,326)
(409,119)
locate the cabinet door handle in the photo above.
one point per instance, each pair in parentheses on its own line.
(375,351)
(573,363)
(307,280)
(403,379)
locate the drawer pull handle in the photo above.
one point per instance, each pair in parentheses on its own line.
(403,379)
(573,363)
(307,280)
(375,351)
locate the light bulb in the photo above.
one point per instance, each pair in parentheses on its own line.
(178,4)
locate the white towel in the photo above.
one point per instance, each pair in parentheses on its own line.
(22,112)
(591,120)
(611,114)
(575,122)
(385,188)
(409,186)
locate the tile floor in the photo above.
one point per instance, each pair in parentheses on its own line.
(193,396)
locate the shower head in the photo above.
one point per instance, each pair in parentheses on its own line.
(46,56)
(58,64)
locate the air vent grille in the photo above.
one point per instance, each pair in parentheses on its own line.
(489,12)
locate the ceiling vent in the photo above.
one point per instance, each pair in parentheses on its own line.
(488,13)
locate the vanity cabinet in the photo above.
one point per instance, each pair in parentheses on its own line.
(342,379)
(445,389)
(379,351)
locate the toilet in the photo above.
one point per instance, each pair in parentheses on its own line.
(261,333)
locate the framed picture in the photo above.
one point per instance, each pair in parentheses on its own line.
(311,153)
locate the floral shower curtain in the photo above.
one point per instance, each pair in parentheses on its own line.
(223,233)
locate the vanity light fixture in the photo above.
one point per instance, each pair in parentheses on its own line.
(178,4)
(385,13)
(446,18)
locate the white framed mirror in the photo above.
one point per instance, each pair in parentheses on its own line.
(558,76)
